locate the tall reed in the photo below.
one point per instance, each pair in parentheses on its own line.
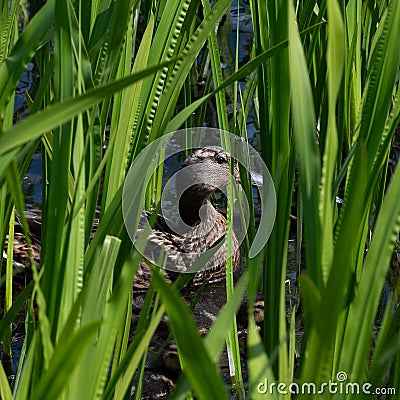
(324,78)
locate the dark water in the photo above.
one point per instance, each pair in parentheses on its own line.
(10,364)
(32,181)
(25,84)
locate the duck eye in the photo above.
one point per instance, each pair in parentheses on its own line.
(221,158)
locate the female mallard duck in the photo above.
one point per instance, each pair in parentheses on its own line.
(201,174)
(201,227)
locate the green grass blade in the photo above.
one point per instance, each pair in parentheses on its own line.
(216,337)
(217,74)
(260,369)
(64,360)
(35,125)
(8,24)
(27,380)
(14,65)
(138,349)
(9,284)
(5,390)
(335,64)
(182,67)
(127,118)
(361,316)
(177,121)
(13,311)
(382,74)
(304,123)
(202,374)
(166,39)
(100,305)
(388,343)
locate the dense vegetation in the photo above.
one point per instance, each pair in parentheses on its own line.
(324,79)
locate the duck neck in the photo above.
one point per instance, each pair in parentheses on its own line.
(190,203)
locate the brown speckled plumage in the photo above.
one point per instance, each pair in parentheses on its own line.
(201,173)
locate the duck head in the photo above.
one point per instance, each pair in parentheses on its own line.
(202,173)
